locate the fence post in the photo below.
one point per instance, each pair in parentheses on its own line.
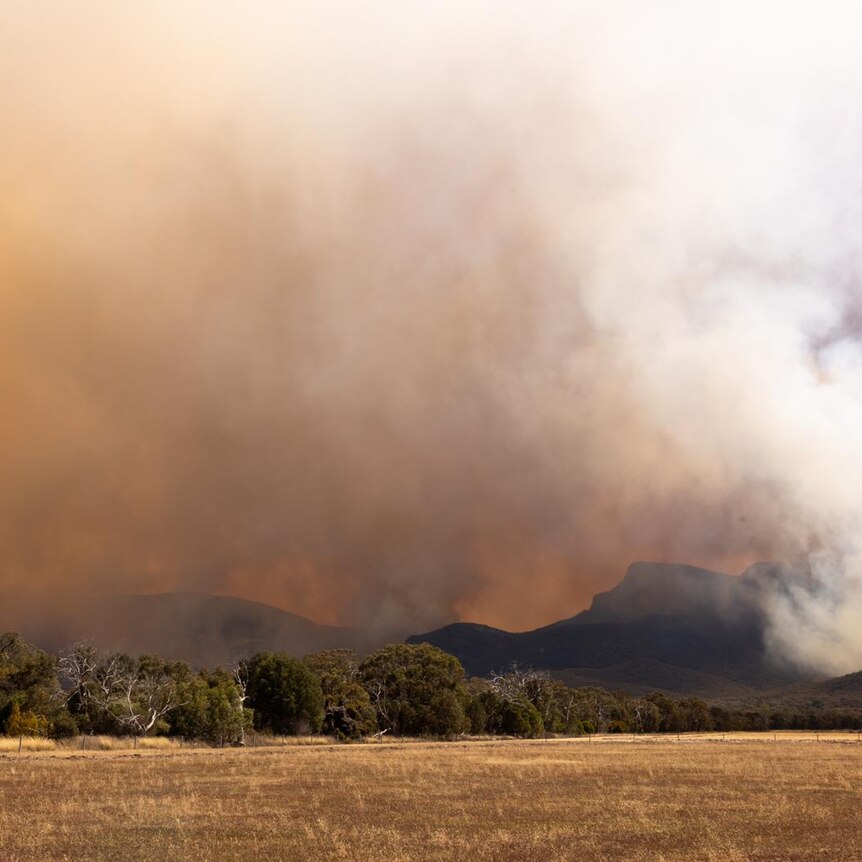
(20,742)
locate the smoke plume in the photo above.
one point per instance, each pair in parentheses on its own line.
(392,313)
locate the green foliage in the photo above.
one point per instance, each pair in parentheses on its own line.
(347,709)
(416,689)
(521,719)
(475,709)
(64,725)
(555,703)
(210,708)
(284,693)
(671,717)
(600,708)
(26,673)
(646,716)
(522,703)
(28,688)
(490,704)
(405,689)
(695,715)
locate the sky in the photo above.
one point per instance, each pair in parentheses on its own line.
(397,313)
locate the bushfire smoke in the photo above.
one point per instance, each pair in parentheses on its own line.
(392,313)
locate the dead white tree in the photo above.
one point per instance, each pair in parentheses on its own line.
(518,685)
(148,692)
(77,670)
(133,694)
(241,678)
(378,692)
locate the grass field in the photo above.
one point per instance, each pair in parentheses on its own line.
(696,798)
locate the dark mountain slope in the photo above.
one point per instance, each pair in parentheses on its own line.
(842,692)
(671,590)
(643,676)
(675,628)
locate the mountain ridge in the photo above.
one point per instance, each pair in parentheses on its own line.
(676,628)
(199,628)
(672,627)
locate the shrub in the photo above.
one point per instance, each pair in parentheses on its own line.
(521,719)
(26,723)
(285,694)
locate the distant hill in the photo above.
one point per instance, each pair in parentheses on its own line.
(674,628)
(197,628)
(840,693)
(847,686)
(661,589)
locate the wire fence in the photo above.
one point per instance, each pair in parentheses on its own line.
(255,741)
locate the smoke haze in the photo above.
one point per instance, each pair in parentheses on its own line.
(396,313)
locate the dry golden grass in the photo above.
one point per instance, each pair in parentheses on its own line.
(127,743)
(743,798)
(27,743)
(92,743)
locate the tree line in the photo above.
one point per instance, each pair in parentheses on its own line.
(399,690)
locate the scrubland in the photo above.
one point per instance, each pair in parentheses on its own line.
(741,797)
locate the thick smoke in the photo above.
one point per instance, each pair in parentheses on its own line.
(393,313)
